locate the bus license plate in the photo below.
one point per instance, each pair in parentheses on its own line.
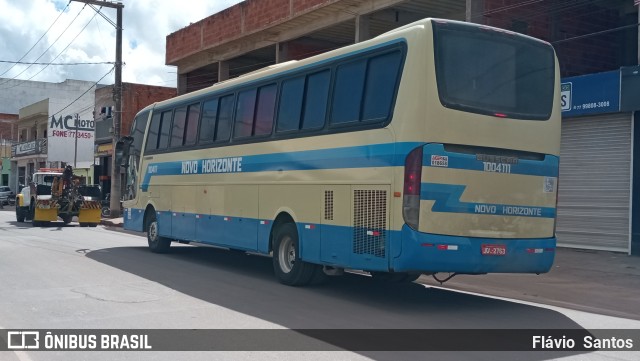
(494,250)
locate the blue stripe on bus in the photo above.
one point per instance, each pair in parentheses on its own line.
(401,250)
(548,167)
(447,199)
(367,156)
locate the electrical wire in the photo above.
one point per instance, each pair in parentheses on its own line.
(81,95)
(80,63)
(58,38)
(36,43)
(596,33)
(60,53)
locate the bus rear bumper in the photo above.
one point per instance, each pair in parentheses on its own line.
(431,253)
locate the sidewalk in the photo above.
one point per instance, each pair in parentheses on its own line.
(112,222)
(591,281)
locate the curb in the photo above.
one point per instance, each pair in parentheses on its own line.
(110,223)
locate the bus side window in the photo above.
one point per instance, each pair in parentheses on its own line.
(154,130)
(191,129)
(245,110)
(290,106)
(315,100)
(177,130)
(165,126)
(209,118)
(225,112)
(381,84)
(265,109)
(347,92)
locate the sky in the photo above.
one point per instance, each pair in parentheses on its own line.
(49,31)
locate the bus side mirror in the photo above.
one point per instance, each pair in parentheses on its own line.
(122,151)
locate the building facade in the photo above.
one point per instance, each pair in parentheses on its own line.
(7,138)
(596,207)
(134,98)
(56,129)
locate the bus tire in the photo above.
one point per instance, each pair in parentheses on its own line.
(157,243)
(66,219)
(287,265)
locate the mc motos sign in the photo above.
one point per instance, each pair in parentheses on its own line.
(71,140)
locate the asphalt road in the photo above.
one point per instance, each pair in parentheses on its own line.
(68,277)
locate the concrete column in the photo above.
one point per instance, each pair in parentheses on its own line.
(182,84)
(474,11)
(282,52)
(362,28)
(223,70)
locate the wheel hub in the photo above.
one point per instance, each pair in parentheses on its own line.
(287,255)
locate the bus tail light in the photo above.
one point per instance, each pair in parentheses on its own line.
(412,179)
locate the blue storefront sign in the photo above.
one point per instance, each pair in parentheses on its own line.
(590,94)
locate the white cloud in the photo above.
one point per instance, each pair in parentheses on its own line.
(146,24)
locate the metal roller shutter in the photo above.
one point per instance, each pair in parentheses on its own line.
(594,186)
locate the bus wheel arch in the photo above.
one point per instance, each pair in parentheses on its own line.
(281,218)
(147,214)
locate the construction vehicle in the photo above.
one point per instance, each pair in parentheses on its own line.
(56,192)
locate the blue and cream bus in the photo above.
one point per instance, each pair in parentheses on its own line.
(431,148)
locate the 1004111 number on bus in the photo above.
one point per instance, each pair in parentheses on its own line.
(496,167)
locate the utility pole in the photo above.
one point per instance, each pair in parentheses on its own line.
(116,184)
(75,148)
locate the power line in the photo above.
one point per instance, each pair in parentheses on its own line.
(36,43)
(596,33)
(60,53)
(558,8)
(81,95)
(79,63)
(58,38)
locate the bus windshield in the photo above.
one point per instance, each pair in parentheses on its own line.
(493,72)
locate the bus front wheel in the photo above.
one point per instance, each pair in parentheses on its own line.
(287,265)
(157,243)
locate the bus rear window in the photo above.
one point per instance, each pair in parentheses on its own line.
(486,71)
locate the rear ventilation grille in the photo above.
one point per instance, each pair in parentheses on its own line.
(369,222)
(328,205)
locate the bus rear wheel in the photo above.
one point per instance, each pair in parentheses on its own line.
(157,243)
(287,265)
